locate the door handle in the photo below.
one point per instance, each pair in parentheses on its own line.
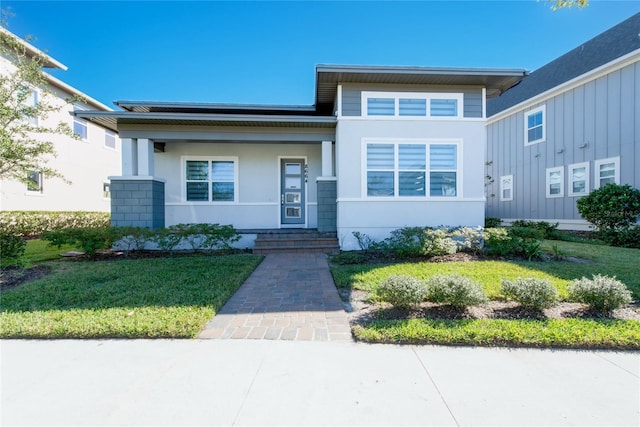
(282,199)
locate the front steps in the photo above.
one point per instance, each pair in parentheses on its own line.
(296,241)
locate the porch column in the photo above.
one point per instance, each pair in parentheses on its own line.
(327,194)
(327,158)
(145,157)
(129,157)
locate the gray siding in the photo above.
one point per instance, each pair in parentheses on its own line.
(603,113)
(351,97)
(137,203)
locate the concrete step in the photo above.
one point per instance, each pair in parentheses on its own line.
(296,241)
(311,249)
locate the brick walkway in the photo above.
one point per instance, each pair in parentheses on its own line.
(288,297)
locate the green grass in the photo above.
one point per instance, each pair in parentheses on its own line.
(567,333)
(39,250)
(144,298)
(579,333)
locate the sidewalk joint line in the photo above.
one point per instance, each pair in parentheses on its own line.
(617,366)
(244,399)
(435,385)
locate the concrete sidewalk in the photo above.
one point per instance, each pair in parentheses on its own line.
(261,382)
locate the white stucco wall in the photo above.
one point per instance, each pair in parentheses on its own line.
(377,217)
(258,203)
(86,164)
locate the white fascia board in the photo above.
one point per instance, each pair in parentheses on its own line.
(64,86)
(596,73)
(50,62)
(205,117)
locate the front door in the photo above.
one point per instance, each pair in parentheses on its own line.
(292,197)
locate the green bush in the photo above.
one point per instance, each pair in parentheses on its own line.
(625,237)
(612,207)
(88,240)
(349,257)
(198,236)
(490,222)
(35,223)
(514,241)
(12,249)
(467,239)
(364,241)
(549,231)
(401,291)
(532,293)
(134,238)
(455,290)
(410,242)
(601,292)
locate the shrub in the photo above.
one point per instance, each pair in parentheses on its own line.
(455,290)
(490,222)
(350,257)
(364,241)
(626,237)
(401,291)
(601,292)
(549,231)
(612,207)
(536,294)
(88,240)
(198,236)
(438,242)
(12,249)
(35,223)
(410,242)
(468,239)
(134,238)
(514,241)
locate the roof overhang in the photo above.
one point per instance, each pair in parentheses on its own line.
(112,119)
(202,107)
(496,81)
(32,51)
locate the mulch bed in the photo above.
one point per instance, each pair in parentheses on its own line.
(15,276)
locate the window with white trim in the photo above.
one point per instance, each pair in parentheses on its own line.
(211,180)
(506,188)
(535,126)
(80,128)
(555,182)
(109,139)
(607,171)
(578,179)
(407,169)
(30,102)
(412,104)
(34,182)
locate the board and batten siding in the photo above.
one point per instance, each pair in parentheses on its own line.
(352,99)
(603,113)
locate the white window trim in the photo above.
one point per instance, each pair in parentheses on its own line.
(587,177)
(108,184)
(427,96)
(396,142)
(549,171)
(33,120)
(86,127)
(542,109)
(504,187)
(183,179)
(39,191)
(596,170)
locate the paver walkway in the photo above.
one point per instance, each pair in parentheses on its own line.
(288,297)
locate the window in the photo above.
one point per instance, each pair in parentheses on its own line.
(400,169)
(555,182)
(109,139)
(31,101)
(34,182)
(579,179)
(106,190)
(534,125)
(211,180)
(80,128)
(607,171)
(506,188)
(411,104)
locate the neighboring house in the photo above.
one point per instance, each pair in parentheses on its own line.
(568,128)
(86,163)
(382,148)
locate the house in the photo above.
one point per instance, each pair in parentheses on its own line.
(568,128)
(86,163)
(381,148)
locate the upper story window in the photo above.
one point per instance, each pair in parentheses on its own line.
(412,104)
(409,169)
(607,171)
(30,102)
(109,139)
(506,188)
(80,128)
(211,180)
(534,126)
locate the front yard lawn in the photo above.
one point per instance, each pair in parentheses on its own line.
(138,298)
(426,326)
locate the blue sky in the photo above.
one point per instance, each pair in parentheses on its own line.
(266,52)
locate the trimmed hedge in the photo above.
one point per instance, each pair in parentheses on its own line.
(35,223)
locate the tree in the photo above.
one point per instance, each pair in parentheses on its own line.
(611,208)
(25,138)
(559,4)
